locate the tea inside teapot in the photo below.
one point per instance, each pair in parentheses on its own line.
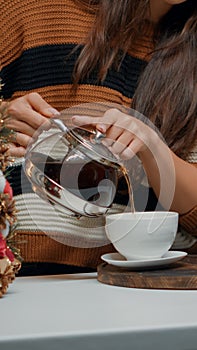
(88,180)
(72,172)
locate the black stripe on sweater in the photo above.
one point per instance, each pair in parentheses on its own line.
(18,180)
(51,65)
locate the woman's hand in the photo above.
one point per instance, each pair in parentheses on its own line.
(171,178)
(24,116)
(125,135)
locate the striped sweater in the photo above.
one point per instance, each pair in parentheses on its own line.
(36,54)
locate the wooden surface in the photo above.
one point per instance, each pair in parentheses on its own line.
(180,275)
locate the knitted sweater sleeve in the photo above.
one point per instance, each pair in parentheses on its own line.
(189,221)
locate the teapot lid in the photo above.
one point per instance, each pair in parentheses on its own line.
(95,149)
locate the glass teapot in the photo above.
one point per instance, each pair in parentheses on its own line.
(72,169)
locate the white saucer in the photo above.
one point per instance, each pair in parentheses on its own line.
(118,260)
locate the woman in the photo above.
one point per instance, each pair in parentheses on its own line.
(135,53)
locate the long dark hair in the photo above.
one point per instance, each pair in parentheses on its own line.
(167,89)
(117,25)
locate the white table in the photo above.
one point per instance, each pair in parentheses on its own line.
(77,312)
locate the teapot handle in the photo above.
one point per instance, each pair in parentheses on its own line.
(59,124)
(97,136)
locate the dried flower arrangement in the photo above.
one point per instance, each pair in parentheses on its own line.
(10,261)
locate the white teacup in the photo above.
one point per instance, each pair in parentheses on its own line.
(142,235)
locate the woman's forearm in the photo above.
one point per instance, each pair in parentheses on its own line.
(186,185)
(173,180)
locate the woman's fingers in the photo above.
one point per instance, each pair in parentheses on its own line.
(18,144)
(25,115)
(132,149)
(126,145)
(125,135)
(108,119)
(81,120)
(20,127)
(20,110)
(40,105)
(16,150)
(20,139)
(117,136)
(31,109)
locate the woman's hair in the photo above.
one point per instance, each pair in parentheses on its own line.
(167,89)
(117,25)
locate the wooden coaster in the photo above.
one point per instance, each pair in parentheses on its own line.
(180,275)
